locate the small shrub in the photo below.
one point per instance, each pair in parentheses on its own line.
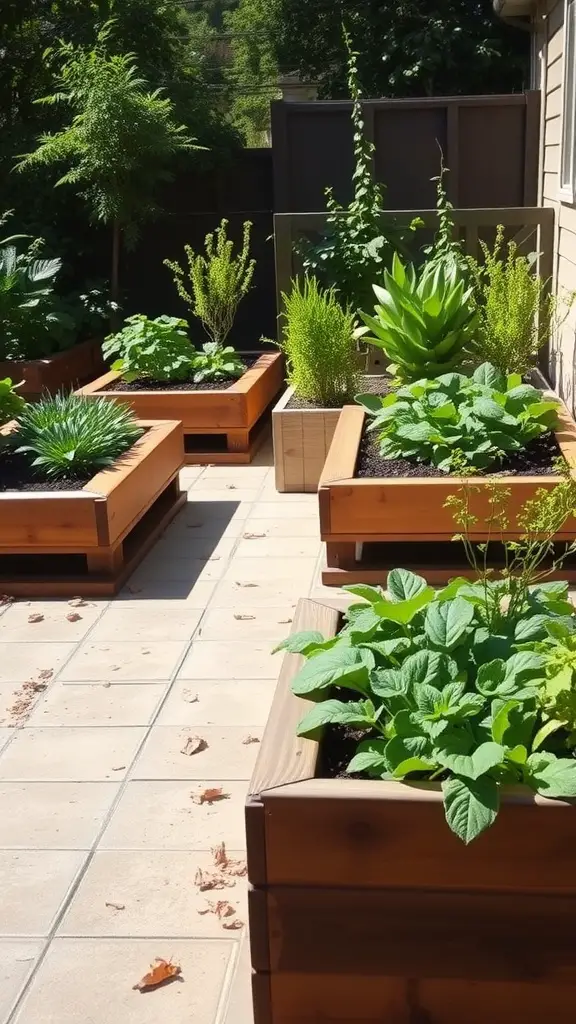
(319,345)
(157,349)
(11,403)
(217,363)
(218,281)
(72,436)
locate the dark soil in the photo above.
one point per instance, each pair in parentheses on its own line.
(16,474)
(144,384)
(374,385)
(535,460)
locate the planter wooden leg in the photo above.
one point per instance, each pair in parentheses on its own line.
(340,556)
(106,562)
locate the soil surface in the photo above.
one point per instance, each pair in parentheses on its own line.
(535,460)
(144,384)
(374,385)
(16,474)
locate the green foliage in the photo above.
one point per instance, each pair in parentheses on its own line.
(218,281)
(425,321)
(355,246)
(431,698)
(456,419)
(216,363)
(70,436)
(157,349)
(446,249)
(253,72)
(11,403)
(557,696)
(516,312)
(318,341)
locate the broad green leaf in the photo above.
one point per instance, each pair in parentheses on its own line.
(371,594)
(445,624)
(452,588)
(472,766)
(341,666)
(471,704)
(546,730)
(501,720)
(470,806)
(518,754)
(402,748)
(389,682)
(422,667)
(404,611)
(491,680)
(428,698)
(532,628)
(369,757)
(412,764)
(490,376)
(403,724)
(372,403)
(300,643)
(557,779)
(355,713)
(388,648)
(524,665)
(364,622)
(402,584)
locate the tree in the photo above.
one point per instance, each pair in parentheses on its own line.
(253,73)
(407,47)
(120,141)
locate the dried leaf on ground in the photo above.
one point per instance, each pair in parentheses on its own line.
(208,880)
(227,864)
(36,617)
(45,674)
(6,599)
(190,697)
(194,745)
(239,584)
(78,602)
(233,924)
(250,739)
(73,617)
(209,796)
(253,536)
(244,618)
(220,907)
(115,906)
(282,622)
(161,970)
(25,697)
(231,487)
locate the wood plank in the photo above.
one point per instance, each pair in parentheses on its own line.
(370,834)
(364,572)
(474,936)
(35,521)
(62,370)
(343,453)
(302,438)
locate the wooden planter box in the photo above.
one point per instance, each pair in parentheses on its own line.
(364,907)
(302,438)
(63,370)
(226,426)
(88,541)
(408,512)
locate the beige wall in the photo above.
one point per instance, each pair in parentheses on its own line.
(549,77)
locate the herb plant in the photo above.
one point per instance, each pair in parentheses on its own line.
(215,363)
(69,436)
(157,349)
(218,281)
(453,418)
(318,341)
(11,403)
(424,320)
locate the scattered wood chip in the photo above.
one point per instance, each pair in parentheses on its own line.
(78,602)
(219,907)
(45,674)
(160,971)
(25,697)
(115,906)
(73,617)
(120,768)
(225,863)
(253,536)
(238,584)
(250,739)
(193,745)
(209,796)
(36,617)
(231,487)
(208,880)
(233,924)
(244,618)
(283,622)
(190,697)
(6,599)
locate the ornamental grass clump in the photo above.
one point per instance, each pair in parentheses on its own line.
(318,341)
(69,436)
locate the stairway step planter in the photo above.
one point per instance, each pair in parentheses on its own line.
(364,520)
(87,541)
(364,906)
(57,372)
(220,425)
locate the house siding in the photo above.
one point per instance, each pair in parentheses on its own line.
(549,28)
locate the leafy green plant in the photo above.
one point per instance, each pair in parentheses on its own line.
(218,280)
(455,418)
(318,341)
(355,245)
(446,249)
(11,403)
(217,363)
(516,310)
(157,349)
(69,436)
(424,320)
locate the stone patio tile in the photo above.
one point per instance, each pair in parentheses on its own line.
(53,815)
(144,623)
(238,659)
(238,1003)
(292,527)
(124,660)
(235,488)
(166,596)
(33,884)
(284,510)
(219,702)
(247,623)
(271,547)
(5,735)
(269,493)
(163,816)
(226,757)
(236,593)
(53,627)
(256,569)
(246,475)
(156,888)
(212,529)
(185,543)
(70,755)
(162,565)
(188,474)
(22,661)
(201,506)
(17,959)
(97,704)
(90,982)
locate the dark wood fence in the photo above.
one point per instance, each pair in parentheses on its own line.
(490,145)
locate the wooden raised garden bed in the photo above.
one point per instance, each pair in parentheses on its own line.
(403,519)
(88,541)
(365,907)
(63,370)
(223,426)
